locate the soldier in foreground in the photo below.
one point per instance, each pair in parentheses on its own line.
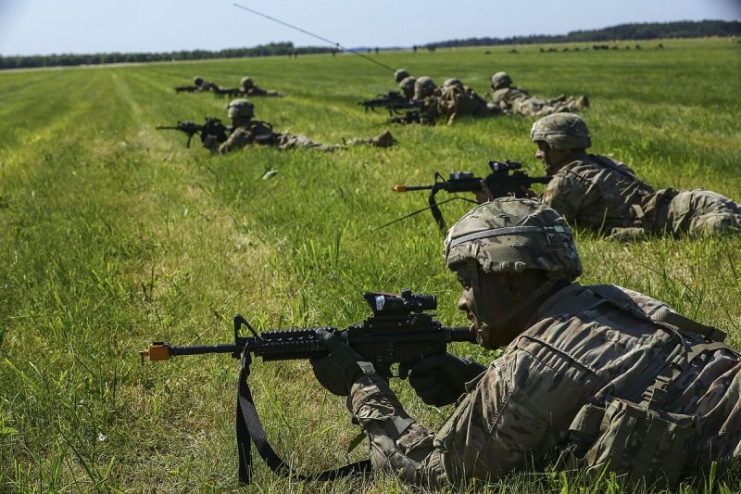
(247,87)
(601,194)
(579,361)
(511,99)
(246,130)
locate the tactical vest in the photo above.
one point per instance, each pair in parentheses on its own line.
(637,440)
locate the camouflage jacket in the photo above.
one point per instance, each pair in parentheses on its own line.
(255,132)
(597,193)
(456,101)
(522,405)
(504,98)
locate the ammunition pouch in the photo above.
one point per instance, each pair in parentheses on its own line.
(635,441)
(638,440)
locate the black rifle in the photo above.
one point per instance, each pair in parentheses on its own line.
(186,89)
(401,330)
(212,127)
(220,92)
(505,179)
(393,101)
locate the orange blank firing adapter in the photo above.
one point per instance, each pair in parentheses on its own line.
(158,350)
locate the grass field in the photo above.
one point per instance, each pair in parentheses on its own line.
(113,234)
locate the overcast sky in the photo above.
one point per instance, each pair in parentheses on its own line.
(86,26)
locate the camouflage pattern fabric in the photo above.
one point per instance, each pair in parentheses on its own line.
(597,193)
(258,91)
(519,102)
(406,87)
(461,101)
(538,239)
(257,132)
(522,406)
(426,114)
(696,212)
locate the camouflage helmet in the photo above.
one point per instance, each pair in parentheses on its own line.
(400,74)
(424,86)
(407,84)
(240,107)
(500,80)
(510,235)
(246,82)
(198,80)
(562,131)
(453,81)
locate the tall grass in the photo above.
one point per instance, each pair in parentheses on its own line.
(114,234)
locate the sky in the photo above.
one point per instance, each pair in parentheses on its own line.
(29,27)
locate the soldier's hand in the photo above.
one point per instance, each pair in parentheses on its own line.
(485,194)
(337,371)
(440,379)
(210,142)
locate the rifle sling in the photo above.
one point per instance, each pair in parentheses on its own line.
(249,428)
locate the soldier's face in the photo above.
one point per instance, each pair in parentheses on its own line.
(488,307)
(552,159)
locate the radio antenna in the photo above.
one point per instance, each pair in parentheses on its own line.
(328,41)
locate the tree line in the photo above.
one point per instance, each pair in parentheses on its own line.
(70,59)
(634,31)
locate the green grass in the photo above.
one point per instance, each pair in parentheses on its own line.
(114,234)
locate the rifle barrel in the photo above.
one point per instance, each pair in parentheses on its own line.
(408,188)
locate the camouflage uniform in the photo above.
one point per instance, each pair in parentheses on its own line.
(582,342)
(511,99)
(427,94)
(204,85)
(597,193)
(601,194)
(457,100)
(248,88)
(257,132)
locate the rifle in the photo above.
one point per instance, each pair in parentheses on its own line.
(393,101)
(186,89)
(213,126)
(223,92)
(410,116)
(401,330)
(505,179)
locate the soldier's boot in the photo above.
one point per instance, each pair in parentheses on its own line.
(382,140)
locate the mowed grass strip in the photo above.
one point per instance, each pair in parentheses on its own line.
(115,234)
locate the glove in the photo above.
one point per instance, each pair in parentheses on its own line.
(337,371)
(440,379)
